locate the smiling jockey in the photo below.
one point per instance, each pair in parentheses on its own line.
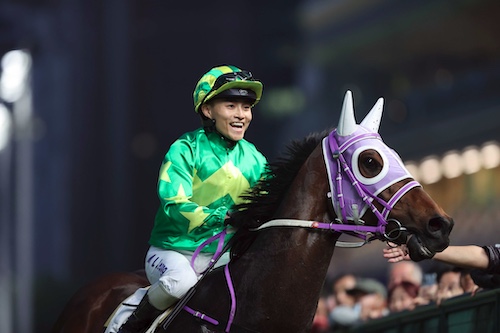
(202,176)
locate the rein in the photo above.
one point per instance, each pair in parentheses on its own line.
(367,233)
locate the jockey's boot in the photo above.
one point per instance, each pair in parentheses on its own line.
(142,317)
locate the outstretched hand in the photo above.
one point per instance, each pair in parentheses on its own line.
(396,253)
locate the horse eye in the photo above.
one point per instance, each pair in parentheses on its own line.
(371,164)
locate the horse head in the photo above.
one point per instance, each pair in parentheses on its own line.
(370,185)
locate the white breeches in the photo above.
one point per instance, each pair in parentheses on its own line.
(171,275)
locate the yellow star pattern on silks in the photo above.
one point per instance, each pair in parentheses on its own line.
(227,180)
(180,196)
(195,218)
(164,172)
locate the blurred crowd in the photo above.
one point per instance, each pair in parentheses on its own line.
(350,300)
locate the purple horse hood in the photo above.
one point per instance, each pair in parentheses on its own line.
(341,150)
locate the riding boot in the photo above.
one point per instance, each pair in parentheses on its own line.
(141,318)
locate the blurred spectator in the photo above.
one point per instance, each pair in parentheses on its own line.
(339,289)
(467,283)
(403,296)
(448,280)
(340,298)
(321,322)
(372,296)
(408,271)
(370,302)
(428,289)
(373,306)
(335,296)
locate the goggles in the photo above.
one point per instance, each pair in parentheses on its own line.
(231,77)
(228,78)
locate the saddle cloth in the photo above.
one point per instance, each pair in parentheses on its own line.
(125,309)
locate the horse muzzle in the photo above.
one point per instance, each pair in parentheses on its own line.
(436,237)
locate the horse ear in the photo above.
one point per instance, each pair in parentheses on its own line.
(372,119)
(347,122)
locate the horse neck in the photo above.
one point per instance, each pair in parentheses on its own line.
(291,263)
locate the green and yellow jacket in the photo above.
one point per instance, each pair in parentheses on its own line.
(201,178)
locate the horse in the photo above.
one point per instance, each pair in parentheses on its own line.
(343,180)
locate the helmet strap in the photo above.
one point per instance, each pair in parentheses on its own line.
(209,127)
(207,123)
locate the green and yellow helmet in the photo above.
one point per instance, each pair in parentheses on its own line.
(227,81)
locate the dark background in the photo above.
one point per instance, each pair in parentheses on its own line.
(112,85)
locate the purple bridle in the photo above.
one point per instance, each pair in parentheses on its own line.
(351,193)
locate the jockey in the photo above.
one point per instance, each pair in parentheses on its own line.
(202,176)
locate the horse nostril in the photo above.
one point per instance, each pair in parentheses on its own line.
(436,224)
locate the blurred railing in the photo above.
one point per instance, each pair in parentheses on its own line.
(462,314)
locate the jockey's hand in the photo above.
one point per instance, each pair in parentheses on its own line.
(395,253)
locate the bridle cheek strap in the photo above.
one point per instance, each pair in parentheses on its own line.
(398,195)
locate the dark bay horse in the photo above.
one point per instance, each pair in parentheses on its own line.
(346,180)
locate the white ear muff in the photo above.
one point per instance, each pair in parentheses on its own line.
(347,122)
(373,118)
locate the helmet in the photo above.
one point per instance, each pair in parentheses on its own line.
(227,81)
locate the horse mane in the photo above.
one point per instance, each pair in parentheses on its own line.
(262,200)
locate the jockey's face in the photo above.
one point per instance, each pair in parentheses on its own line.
(232,116)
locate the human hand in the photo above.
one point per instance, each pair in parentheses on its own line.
(395,253)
